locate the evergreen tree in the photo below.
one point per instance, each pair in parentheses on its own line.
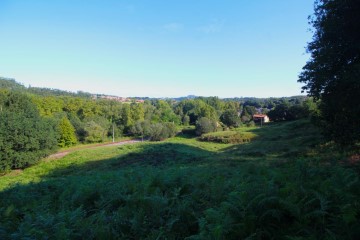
(67,133)
(25,137)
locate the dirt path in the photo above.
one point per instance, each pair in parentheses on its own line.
(64,153)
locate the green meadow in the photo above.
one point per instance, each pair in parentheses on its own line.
(284,183)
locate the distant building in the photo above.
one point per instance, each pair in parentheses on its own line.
(261,118)
(113,98)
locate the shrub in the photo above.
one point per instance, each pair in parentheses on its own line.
(205,125)
(250,124)
(186,120)
(153,131)
(228,137)
(94,132)
(161,131)
(230,118)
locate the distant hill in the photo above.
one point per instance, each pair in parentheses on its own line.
(11,84)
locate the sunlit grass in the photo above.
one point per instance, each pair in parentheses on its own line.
(88,145)
(271,187)
(271,142)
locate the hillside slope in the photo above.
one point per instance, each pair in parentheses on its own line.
(279,186)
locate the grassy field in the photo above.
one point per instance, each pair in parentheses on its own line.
(284,184)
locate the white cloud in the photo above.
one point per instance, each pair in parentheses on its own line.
(173,27)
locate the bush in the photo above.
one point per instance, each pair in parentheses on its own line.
(228,137)
(250,124)
(161,131)
(186,120)
(94,132)
(153,131)
(205,125)
(141,129)
(230,118)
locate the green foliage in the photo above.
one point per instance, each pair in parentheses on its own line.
(205,125)
(280,113)
(161,131)
(80,110)
(214,102)
(164,113)
(88,109)
(137,112)
(25,137)
(333,71)
(94,132)
(286,112)
(78,125)
(10,84)
(186,189)
(153,131)
(230,118)
(126,116)
(232,137)
(297,112)
(72,105)
(186,120)
(57,92)
(48,105)
(67,133)
(247,113)
(203,110)
(198,108)
(141,128)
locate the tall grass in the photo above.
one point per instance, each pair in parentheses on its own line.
(185,189)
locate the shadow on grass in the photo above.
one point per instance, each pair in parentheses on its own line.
(130,196)
(159,155)
(277,141)
(156,190)
(187,133)
(280,140)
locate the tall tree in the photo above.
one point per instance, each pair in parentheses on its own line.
(67,133)
(333,72)
(230,118)
(25,137)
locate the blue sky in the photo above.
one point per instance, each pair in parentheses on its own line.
(225,48)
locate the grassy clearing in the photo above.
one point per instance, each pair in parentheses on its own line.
(88,145)
(279,186)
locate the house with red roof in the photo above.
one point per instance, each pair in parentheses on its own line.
(261,118)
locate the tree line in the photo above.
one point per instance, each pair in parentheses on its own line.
(34,123)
